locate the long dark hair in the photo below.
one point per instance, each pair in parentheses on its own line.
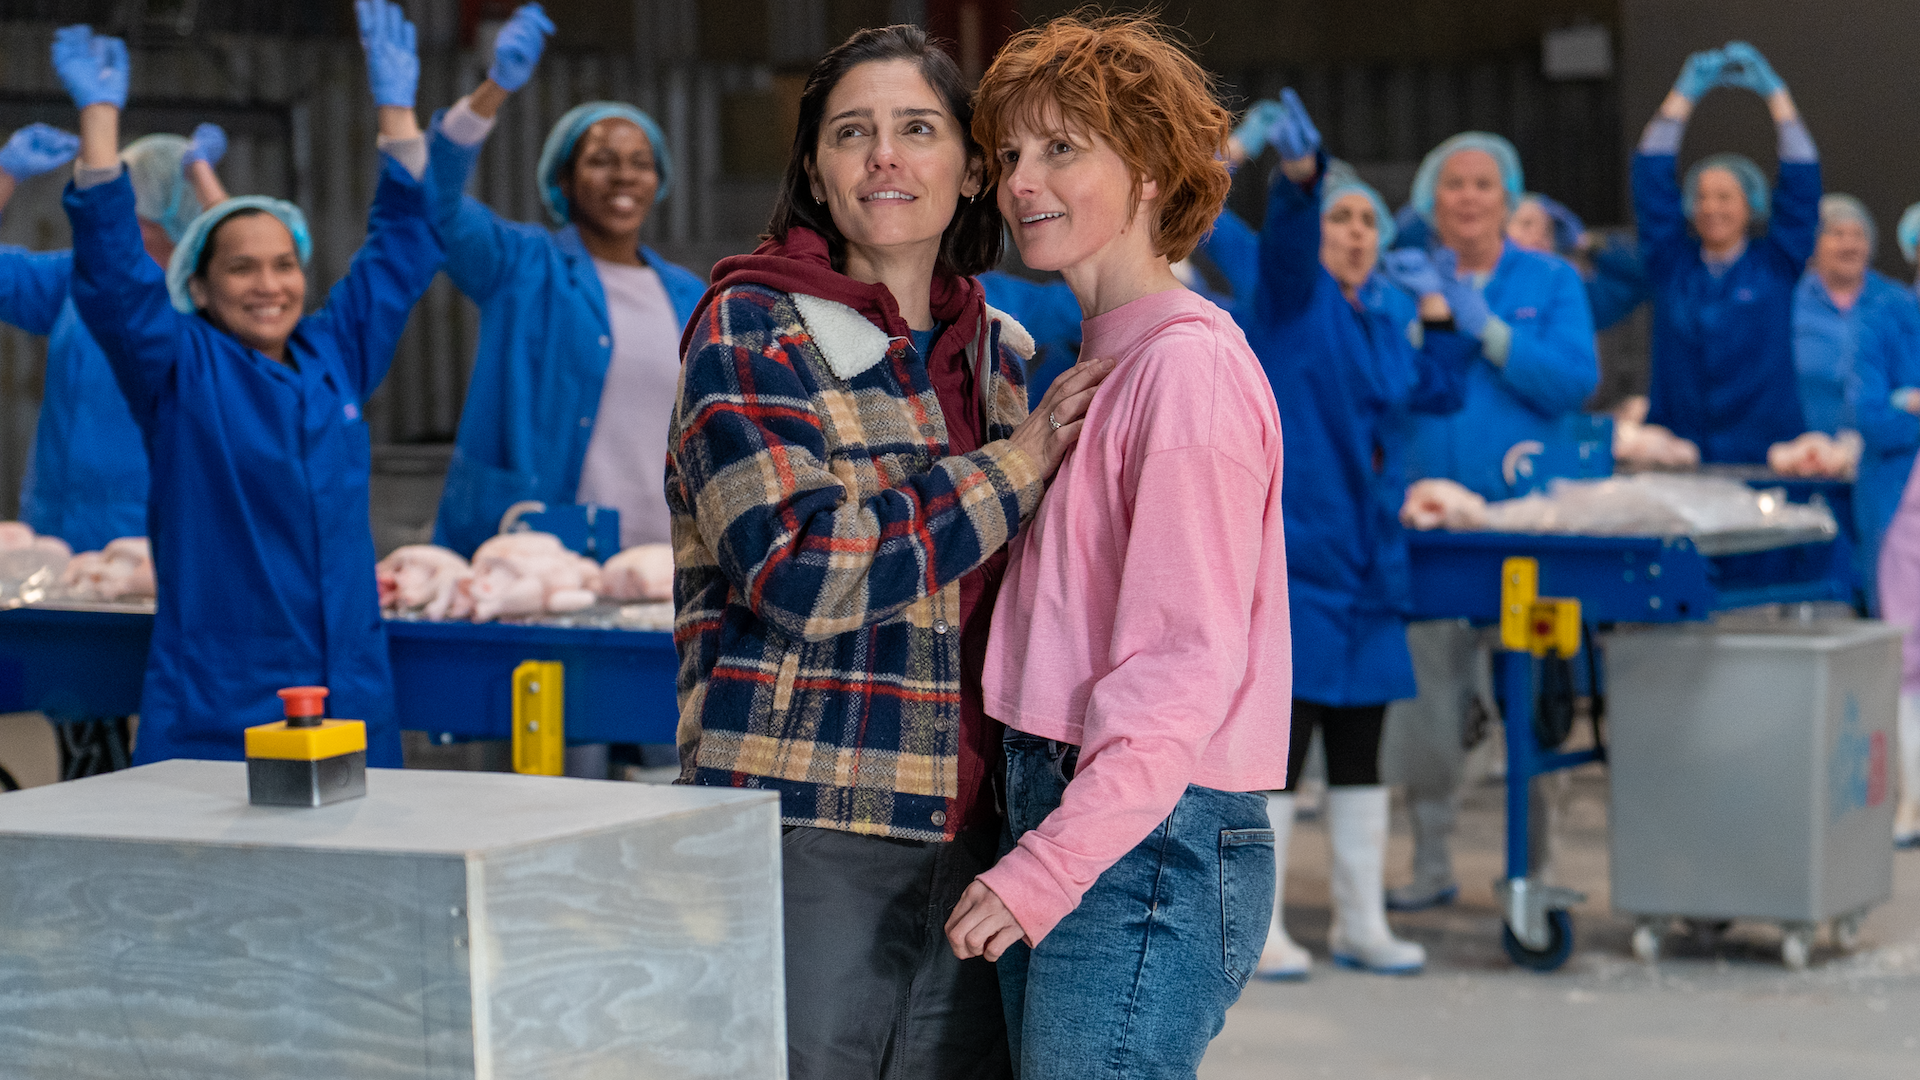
(971,243)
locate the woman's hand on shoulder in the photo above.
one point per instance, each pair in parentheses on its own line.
(982,925)
(1054,425)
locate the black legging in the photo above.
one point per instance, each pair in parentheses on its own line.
(1352,737)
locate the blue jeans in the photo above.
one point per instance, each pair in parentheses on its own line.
(1137,980)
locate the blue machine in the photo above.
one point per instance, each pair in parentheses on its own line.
(1545,592)
(451,680)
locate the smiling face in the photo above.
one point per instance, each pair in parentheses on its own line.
(614,179)
(1840,255)
(1069,197)
(1470,199)
(1350,239)
(890,163)
(253,286)
(1720,210)
(1530,227)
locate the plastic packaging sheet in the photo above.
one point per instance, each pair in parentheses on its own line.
(1721,516)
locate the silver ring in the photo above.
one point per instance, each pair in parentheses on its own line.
(1052,420)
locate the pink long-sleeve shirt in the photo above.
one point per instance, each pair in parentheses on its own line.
(1144,613)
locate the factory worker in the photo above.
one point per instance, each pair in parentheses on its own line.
(1856,348)
(86,476)
(573,383)
(1333,336)
(252,416)
(1723,373)
(1907,235)
(1535,367)
(1616,282)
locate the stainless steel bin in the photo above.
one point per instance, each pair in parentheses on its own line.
(1750,776)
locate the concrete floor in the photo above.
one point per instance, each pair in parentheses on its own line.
(1721,1010)
(1708,1010)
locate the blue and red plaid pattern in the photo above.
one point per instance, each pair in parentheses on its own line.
(819,531)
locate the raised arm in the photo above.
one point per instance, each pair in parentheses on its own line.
(750,453)
(204,151)
(121,294)
(482,248)
(33,285)
(1657,204)
(367,308)
(1290,267)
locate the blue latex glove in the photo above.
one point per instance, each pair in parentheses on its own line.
(518,46)
(1567,226)
(1700,74)
(93,67)
(1470,311)
(1412,270)
(209,144)
(1746,68)
(37,148)
(1253,129)
(393,63)
(1293,134)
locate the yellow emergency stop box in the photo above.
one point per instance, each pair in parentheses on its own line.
(1533,623)
(539,718)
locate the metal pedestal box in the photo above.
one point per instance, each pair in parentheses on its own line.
(448,926)
(1750,770)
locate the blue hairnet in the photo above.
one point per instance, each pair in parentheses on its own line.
(567,131)
(1837,207)
(1341,180)
(161,193)
(1752,181)
(1908,234)
(186,254)
(1427,180)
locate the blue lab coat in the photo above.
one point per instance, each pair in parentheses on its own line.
(545,343)
(1050,314)
(86,479)
(1550,371)
(1886,358)
(1827,343)
(1723,371)
(262,545)
(1347,381)
(1617,285)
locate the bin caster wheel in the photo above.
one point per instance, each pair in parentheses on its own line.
(1846,932)
(1559,944)
(1796,946)
(1646,943)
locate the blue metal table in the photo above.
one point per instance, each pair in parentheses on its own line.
(1616,580)
(450,679)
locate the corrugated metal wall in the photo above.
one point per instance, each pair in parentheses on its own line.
(301,126)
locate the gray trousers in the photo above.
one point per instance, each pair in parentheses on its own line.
(873,990)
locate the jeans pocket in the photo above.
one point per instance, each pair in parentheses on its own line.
(1246,899)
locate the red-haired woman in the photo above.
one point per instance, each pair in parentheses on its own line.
(1140,655)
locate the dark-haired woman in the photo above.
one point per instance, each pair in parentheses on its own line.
(251,412)
(850,453)
(579,326)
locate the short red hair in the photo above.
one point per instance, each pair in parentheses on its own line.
(1124,79)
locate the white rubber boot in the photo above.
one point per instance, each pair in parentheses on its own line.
(1357,826)
(1280,958)
(1906,815)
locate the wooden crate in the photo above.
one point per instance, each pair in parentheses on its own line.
(449,925)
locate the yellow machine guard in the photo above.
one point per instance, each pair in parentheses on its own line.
(539,718)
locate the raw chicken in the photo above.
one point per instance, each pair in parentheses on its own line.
(425,580)
(15,536)
(530,573)
(1638,445)
(1817,454)
(1442,504)
(121,571)
(642,572)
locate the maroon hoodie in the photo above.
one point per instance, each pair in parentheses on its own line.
(803,264)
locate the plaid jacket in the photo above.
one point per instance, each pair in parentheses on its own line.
(819,532)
